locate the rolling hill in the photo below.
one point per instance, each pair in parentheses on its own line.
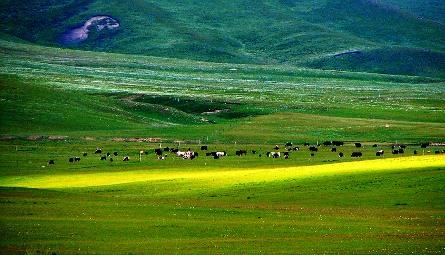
(301,33)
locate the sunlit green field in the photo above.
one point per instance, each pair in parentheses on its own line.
(58,103)
(381,206)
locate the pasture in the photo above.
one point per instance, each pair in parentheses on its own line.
(384,206)
(57,104)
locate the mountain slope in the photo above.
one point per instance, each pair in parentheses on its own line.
(240,31)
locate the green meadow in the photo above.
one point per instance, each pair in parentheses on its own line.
(230,75)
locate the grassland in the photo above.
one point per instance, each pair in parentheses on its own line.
(394,206)
(58,103)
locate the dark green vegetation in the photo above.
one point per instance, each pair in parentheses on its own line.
(268,31)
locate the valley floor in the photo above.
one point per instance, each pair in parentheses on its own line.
(383,206)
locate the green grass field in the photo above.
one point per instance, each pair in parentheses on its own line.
(233,75)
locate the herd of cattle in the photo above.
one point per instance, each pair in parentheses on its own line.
(162,153)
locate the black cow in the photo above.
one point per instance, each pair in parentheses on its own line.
(208,154)
(401,151)
(313,148)
(358,145)
(296,148)
(395,152)
(403,146)
(166,149)
(103,157)
(115,153)
(289,144)
(379,153)
(108,154)
(374,145)
(312,154)
(71,160)
(215,156)
(356,154)
(286,153)
(437,152)
(126,158)
(241,152)
(98,151)
(111,159)
(424,145)
(253,151)
(76,159)
(341,155)
(158,152)
(173,150)
(337,143)
(334,149)
(204,147)
(307,144)
(85,154)
(415,152)
(51,162)
(327,143)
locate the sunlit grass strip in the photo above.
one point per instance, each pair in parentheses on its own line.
(219,178)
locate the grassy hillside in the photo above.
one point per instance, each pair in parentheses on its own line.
(112,94)
(268,31)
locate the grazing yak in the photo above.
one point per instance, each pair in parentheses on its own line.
(313,148)
(273,154)
(379,153)
(358,145)
(158,152)
(356,154)
(340,155)
(126,158)
(337,143)
(204,148)
(240,152)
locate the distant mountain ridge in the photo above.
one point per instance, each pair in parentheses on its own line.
(302,33)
